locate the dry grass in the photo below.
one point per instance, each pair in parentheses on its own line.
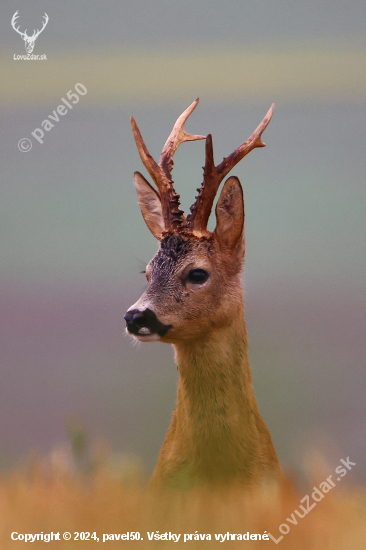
(50,494)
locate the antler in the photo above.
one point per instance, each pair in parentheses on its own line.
(13,20)
(161,173)
(213,175)
(24,35)
(38,32)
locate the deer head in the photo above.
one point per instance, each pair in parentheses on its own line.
(194,285)
(29,41)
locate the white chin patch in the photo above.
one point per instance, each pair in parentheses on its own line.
(144,331)
(144,335)
(147,337)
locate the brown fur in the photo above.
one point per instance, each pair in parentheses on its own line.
(217,436)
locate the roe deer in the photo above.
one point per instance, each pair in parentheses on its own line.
(194,301)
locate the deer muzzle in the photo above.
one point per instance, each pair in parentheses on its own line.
(144,324)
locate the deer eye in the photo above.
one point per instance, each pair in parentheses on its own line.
(197,276)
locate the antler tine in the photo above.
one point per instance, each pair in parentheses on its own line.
(173,216)
(13,21)
(201,209)
(177,136)
(213,175)
(254,141)
(14,18)
(38,32)
(145,156)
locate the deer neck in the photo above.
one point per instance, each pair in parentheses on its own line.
(215,385)
(217,435)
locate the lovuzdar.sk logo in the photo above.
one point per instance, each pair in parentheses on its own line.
(29,41)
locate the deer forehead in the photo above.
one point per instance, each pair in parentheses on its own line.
(177,252)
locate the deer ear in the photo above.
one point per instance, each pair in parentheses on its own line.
(150,205)
(230,215)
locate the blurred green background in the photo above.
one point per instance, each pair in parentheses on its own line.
(73,242)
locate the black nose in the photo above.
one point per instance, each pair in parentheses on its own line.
(147,320)
(136,318)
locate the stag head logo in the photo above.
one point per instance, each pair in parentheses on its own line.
(28,40)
